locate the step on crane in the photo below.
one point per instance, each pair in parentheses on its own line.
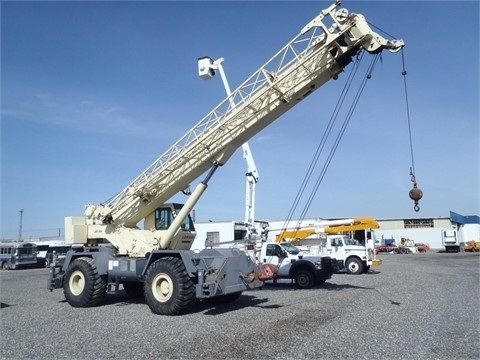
(110,251)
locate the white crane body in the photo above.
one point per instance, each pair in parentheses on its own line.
(118,252)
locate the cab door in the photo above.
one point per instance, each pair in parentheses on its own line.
(335,247)
(274,254)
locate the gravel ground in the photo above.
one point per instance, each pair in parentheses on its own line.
(415,306)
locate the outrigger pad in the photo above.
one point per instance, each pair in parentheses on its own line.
(267,272)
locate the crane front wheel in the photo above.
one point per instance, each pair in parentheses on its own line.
(83,286)
(168,288)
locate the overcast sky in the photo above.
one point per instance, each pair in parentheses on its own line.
(93,92)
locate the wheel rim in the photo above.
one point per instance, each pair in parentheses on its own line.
(162,287)
(76,283)
(353,266)
(302,280)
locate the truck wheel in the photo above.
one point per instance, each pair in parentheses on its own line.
(168,288)
(5,266)
(47,263)
(83,286)
(304,279)
(354,266)
(133,289)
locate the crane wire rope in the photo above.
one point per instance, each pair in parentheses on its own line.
(322,142)
(404,73)
(340,134)
(415,193)
(335,144)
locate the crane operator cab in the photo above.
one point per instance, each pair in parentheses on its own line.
(131,240)
(162,218)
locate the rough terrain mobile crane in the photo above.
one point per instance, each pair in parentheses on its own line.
(156,262)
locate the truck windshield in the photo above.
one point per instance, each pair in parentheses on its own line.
(291,249)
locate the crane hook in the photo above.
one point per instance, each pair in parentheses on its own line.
(415,193)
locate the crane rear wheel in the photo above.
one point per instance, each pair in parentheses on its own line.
(83,286)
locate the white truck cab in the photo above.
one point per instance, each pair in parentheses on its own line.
(305,269)
(355,258)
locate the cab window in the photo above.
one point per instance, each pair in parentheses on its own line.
(273,250)
(163,218)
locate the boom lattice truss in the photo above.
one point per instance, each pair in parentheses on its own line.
(313,57)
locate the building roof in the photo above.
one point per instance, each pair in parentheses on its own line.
(462,219)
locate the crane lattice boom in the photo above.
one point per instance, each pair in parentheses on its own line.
(318,54)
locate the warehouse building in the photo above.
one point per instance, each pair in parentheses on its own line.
(419,230)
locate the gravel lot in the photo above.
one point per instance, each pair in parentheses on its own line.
(415,306)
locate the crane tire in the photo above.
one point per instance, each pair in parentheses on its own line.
(304,279)
(83,286)
(133,289)
(354,266)
(169,290)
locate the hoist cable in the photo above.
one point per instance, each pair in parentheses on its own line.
(339,136)
(404,73)
(322,142)
(381,30)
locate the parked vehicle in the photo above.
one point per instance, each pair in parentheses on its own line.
(306,270)
(450,240)
(16,255)
(352,256)
(472,246)
(56,255)
(45,251)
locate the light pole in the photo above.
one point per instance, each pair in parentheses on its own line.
(20,226)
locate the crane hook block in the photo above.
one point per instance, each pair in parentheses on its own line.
(416,194)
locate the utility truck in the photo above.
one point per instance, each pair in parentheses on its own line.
(156,262)
(306,270)
(350,255)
